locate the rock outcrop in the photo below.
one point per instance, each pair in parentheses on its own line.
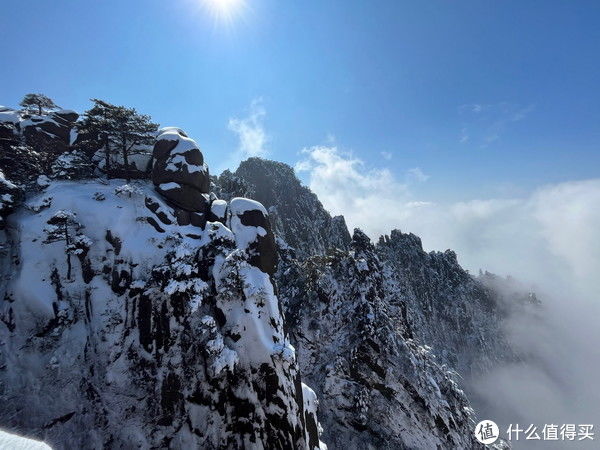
(429,307)
(167,334)
(180,175)
(52,131)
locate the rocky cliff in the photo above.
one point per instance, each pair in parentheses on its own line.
(132,319)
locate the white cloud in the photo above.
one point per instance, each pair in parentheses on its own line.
(386,155)
(548,238)
(416,174)
(346,186)
(250,130)
(485,123)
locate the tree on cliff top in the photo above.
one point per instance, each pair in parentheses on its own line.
(116,129)
(39,101)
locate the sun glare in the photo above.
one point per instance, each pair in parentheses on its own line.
(224,10)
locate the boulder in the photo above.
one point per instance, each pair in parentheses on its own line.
(184,196)
(250,224)
(179,172)
(54,126)
(218,211)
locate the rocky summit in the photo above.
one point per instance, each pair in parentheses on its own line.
(180,310)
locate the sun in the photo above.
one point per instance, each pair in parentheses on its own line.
(224,10)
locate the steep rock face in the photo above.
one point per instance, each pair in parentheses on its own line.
(377,387)
(439,312)
(51,132)
(164,335)
(10,195)
(296,213)
(444,306)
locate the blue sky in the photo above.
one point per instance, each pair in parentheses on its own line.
(487,98)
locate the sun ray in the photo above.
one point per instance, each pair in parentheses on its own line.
(224,11)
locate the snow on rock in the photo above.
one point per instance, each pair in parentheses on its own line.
(313,428)
(8,115)
(218,210)
(163,336)
(10,195)
(152,308)
(377,387)
(179,171)
(425,299)
(43,181)
(51,130)
(10,441)
(249,221)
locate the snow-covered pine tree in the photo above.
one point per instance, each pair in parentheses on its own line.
(64,227)
(39,101)
(116,130)
(72,165)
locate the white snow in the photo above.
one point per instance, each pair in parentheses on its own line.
(164,130)
(118,214)
(219,208)
(169,186)
(244,234)
(239,205)
(127,190)
(73,136)
(257,320)
(35,121)
(184,144)
(14,442)
(5,182)
(43,181)
(10,116)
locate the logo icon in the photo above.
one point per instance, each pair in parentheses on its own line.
(487,432)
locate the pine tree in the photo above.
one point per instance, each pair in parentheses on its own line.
(64,227)
(117,129)
(72,165)
(39,101)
